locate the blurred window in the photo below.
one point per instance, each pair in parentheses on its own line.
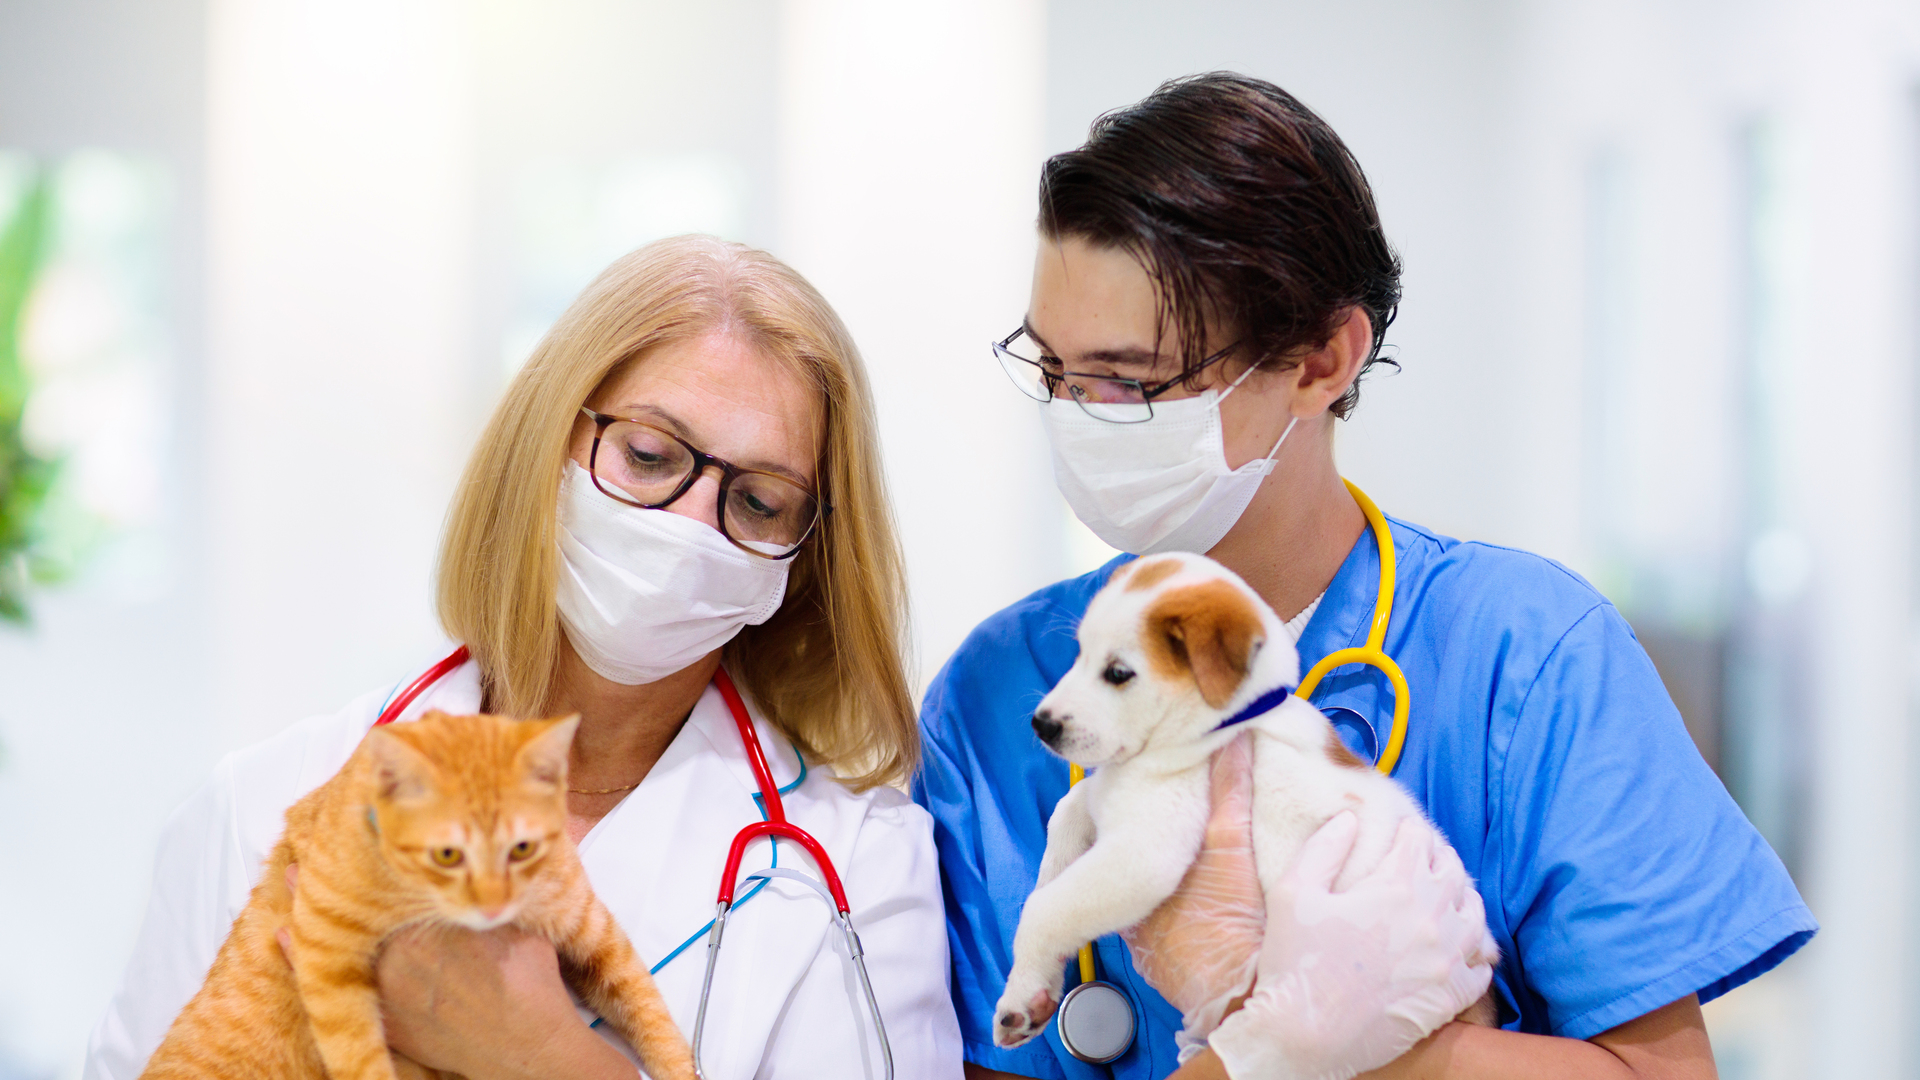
(571,219)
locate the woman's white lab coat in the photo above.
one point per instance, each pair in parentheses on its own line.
(786,1002)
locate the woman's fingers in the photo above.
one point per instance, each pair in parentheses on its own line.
(458,1000)
(454,998)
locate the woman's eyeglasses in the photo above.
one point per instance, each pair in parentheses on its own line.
(1104,397)
(762,513)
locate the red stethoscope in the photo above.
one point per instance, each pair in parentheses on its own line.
(775,825)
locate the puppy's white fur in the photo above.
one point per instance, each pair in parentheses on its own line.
(1171,647)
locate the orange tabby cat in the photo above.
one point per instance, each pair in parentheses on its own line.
(456,820)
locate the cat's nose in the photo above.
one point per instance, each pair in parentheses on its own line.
(1045,726)
(491,898)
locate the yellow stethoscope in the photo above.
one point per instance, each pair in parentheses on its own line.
(1374,652)
(1096,1020)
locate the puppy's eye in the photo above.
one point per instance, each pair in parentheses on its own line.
(521,851)
(448,856)
(1117,673)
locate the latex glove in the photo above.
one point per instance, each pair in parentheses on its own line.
(1348,981)
(1199,948)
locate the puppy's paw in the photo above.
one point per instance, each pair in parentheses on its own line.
(1024,1009)
(1014,1025)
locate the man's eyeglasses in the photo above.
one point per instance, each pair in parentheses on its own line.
(1104,397)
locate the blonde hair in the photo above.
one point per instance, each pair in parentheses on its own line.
(827,668)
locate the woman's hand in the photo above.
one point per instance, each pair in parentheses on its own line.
(1350,980)
(1200,946)
(482,1004)
(488,1005)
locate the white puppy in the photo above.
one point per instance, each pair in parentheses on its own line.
(1173,653)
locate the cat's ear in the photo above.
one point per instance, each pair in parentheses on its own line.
(544,757)
(400,772)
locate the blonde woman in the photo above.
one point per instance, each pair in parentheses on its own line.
(683,478)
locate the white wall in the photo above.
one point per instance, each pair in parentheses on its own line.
(910,137)
(340,177)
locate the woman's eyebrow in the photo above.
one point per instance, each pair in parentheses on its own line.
(664,418)
(672,423)
(776,469)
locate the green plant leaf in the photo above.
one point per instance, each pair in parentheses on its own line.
(25,479)
(22,246)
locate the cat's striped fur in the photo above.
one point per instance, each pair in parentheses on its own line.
(455,820)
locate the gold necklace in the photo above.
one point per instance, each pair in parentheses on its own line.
(604,790)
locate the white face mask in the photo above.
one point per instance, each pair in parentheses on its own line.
(1162,485)
(644,593)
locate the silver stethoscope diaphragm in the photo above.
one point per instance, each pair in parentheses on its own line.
(1095,1022)
(1095,1019)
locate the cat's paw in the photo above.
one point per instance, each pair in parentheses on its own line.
(1025,1008)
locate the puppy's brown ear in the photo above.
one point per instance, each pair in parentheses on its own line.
(1208,631)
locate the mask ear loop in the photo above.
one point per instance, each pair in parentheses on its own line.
(1266,464)
(1271,454)
(1235,384)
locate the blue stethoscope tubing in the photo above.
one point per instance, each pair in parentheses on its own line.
(773,825)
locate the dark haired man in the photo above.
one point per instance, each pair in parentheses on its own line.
(1212,281)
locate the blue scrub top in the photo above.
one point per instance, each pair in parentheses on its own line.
(1617,873)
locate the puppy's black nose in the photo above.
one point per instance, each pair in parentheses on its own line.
(1045,726)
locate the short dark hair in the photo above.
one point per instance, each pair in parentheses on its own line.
(1243,205)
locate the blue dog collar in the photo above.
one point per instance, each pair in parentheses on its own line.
(1259,706)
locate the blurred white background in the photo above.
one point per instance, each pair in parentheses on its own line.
(1660,324)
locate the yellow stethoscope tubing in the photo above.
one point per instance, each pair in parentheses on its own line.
(1373,653)
(1075,774)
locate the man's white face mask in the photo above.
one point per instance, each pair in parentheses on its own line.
(644,593)
(1156,486)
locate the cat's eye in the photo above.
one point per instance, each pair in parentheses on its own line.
(1117,673)
(448,856)
(521,851)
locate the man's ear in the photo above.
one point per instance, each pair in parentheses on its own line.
(1209,632)
(400,772)
(543,759)
(1328,371)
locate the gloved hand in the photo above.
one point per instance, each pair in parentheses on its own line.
(1200,946)
(1348,981)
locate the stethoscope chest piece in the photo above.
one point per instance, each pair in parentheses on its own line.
(1095,1022)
